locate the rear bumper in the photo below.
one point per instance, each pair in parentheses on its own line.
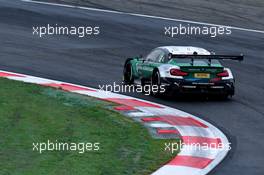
(225,87)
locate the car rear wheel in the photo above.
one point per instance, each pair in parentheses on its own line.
(155,84)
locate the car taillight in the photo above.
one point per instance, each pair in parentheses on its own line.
(178,72)
(223,74)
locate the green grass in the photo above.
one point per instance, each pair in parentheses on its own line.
(31,113)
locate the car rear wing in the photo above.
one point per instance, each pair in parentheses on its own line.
(208,57)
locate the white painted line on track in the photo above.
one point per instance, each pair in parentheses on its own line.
(142,15)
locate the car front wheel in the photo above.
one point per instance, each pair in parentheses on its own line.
(128,74)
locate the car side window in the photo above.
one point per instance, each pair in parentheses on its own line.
(161,57)
(152,56)
(166,58)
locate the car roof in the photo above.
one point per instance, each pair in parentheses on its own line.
(185,50)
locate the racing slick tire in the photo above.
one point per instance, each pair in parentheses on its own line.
(128,77)
(156,89)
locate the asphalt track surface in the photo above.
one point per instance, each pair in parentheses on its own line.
(240,13)
(94,61)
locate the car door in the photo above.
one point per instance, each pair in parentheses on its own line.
(154,59)
(146,60)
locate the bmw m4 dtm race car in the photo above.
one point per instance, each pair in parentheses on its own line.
(182,69)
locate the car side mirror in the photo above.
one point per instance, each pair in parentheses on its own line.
(141,57)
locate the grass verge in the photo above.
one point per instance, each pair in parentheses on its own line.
(31,113)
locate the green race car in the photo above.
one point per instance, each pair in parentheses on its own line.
(181,69)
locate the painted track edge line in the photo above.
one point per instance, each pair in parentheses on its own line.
(167,169)
(144,15)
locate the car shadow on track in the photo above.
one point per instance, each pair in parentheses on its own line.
(195,98)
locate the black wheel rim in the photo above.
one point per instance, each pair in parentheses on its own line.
(155,81)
